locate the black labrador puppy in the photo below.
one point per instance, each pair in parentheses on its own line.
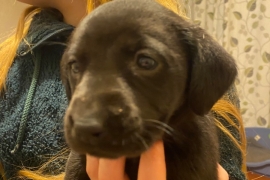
(135,73)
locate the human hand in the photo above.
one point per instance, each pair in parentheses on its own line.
(222,173)
(152,166)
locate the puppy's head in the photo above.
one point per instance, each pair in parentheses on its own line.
(130,65)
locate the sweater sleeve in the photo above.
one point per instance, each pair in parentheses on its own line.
(230,154)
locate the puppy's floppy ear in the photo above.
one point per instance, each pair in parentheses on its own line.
(212,70)
(64,76)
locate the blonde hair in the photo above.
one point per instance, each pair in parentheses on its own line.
(9,47)
(8,52)
(226,110)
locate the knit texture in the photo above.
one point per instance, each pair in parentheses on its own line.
(43,137)
(231,158)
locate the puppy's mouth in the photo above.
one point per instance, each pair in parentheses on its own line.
(114,144)
(131,146)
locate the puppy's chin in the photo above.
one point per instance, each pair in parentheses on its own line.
(112,149)
(114,155)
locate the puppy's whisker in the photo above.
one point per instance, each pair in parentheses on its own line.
(142,140)
(162,128)
(55,43)
(166,126)
(123,142)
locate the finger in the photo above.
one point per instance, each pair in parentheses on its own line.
(222,173)
(152,163)
(92,164)
(112,169)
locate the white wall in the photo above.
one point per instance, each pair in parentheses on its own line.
(10,11)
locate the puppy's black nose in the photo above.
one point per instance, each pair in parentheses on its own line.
(90,128)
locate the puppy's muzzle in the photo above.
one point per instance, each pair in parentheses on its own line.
(104,116)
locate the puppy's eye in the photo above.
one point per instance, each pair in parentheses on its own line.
(75,67)
(146,63)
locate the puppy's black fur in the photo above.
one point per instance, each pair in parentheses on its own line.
(135,73)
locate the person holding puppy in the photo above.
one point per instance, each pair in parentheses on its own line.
(33,103)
